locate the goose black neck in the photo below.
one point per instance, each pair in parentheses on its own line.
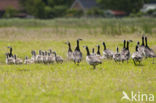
(55,54)
(93,50)
(136,48)
(77,47)
(127,46)
(10,55)
(142,41)
(98,52)
(146,42)
(69,49)
(117,49)
(104,45)
(124,46)
(88,53)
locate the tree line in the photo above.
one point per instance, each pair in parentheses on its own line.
(59,8)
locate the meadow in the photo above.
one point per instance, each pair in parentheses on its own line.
(67,82)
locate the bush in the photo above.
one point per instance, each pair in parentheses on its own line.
(74,13)
(138,14)
(95,12)
(58,11)
(10,12)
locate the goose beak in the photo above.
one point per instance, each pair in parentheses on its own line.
(97,45)
(67,42)
(80,39)
(130,40)
(84,46)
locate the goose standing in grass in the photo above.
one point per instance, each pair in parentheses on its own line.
(117,55)
(107,54)
(98,54)
(77,54)
(58,58)
(39,57)
(149,53)
(33,56)
(124,47)
(9,60)
(70,52)
(92,60)
(51,58)
(141,48)
(45,57)
(137,56)
(10,53)
(125,55)
(28,61)
(18,60)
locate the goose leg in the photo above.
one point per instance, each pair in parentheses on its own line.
(94,67)
(153,61)
(134,61)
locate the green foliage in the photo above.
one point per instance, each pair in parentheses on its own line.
(138,14)
(95,12)
(46,8)
(74,13)
(10,12)
(67,82)
(124,5)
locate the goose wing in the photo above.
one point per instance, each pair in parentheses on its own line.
(77,56)
(93,60)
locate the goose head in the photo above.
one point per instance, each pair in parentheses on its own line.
(54,52)
(50,51)
(46,53)
(15,57)
(26,58)
(32,52)
(49,54)
(40,52)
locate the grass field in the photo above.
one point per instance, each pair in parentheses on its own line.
(67,82)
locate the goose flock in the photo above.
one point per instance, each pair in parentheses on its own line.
(93,59)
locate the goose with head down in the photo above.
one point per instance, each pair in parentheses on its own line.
(92,60)
(18,60)
(28,61)
(58,58)
(77,54)
(137,56)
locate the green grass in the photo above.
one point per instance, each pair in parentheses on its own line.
(67,82)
